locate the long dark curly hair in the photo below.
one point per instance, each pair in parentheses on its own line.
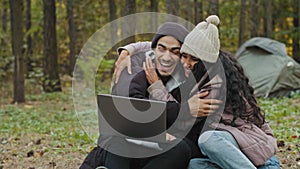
(239,94)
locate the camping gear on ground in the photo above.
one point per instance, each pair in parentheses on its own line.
(271,72)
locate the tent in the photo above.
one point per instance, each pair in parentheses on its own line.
(271,72)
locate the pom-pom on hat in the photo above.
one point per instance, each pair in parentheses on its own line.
(174,29)
(203,41)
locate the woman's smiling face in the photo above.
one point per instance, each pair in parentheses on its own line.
(188,62)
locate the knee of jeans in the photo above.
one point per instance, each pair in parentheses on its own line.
(193,164)
(272,163)
(207,142)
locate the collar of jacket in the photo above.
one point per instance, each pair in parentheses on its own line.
(178,77)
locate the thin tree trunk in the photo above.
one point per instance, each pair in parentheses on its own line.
(16,12)
(29,39)
(154,5)
(296,39)
(112,17)
(130,24)
(268,19)
(242,22)
(254,20)
(198,9)
(154,8)
(4,16)
(72,36)
(51,82)
(172,7)
(213,7)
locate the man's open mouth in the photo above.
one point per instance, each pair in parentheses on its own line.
(166,63)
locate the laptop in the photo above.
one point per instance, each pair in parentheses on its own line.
(132,118)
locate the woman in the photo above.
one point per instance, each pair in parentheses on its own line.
(242,138)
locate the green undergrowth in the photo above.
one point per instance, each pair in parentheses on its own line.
(50,117)
(283,117)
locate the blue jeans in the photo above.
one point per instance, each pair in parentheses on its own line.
(223,152)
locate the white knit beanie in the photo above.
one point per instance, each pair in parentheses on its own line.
(203,41)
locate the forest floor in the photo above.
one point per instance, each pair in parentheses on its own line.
(45,133)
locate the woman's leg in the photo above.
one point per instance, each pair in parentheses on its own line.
(202,163)
(222,149)
(272,163)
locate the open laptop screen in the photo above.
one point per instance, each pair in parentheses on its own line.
(132,118)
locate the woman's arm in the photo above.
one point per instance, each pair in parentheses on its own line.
(134,48)
(125,52)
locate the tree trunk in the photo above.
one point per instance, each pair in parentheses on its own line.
(16,13)
(154,8)
(254,20)
(4,16)
(172,7)
(296,39)
(72,36)
(268,19)
(112,17)
(242,22)
(51,82)
(154,5)
(29,39)
(213,7)
(130,7)
(130,24)
(198,9)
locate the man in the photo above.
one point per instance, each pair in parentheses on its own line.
(166,46)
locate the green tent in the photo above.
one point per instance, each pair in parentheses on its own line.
(271,71)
